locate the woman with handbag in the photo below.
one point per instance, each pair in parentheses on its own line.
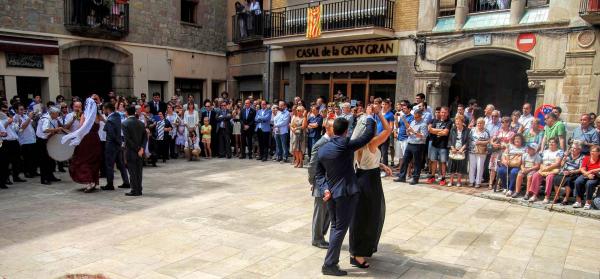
(589,178)
(298,137)
(568,172)
(458,144)
(500,141)
(511,164)
(478,141)
(551,159)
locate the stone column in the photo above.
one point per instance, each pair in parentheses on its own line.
(10,86)
(428,12)
(540,86)
(436,87)
(460,14)
(517,9)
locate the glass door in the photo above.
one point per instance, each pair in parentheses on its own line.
(358,93)
(340,90)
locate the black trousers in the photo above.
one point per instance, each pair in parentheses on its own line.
(173,153)
(224,143)
(135,168)
(29,159)
(162,149)
(413,153)
(247,142)
(113,154)
(384,147)
(263,143)
(341,212)
(12,156)
(46,163)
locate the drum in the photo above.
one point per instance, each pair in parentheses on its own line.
(58,151)
(457,156)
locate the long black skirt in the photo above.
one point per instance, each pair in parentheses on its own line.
(367,224)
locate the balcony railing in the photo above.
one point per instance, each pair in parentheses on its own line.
(335,15)
(448,7)
(589,10)
(249,27)
(488,5)
(110,19)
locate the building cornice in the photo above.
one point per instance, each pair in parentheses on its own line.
(14,32)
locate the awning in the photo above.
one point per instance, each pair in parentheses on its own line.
(28,45)
(378,66)
(251,84)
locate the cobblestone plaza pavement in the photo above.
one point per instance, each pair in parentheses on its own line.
(248,219)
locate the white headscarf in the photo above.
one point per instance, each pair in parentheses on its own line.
(74,138)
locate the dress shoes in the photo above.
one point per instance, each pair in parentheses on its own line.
(46,182)
(18,179)
(259,159)
(124,186)
(54,179)
(399,179)
(264,159)
(333,270)
(108,188)
(29,176)
(130,194)
(3,186)
(413,182)
(8,182)
(322,244)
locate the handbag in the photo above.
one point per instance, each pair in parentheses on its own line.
(481,148)
(514,161)
(458,156)
(548,172)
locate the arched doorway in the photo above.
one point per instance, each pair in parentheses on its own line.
(490,77)
(91,75)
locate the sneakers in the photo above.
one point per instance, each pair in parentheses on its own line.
(443,182)
(504,191)
(509,193)
(532,199)
(526,197)
(587,207)
(546,200)
(514,195)
(477,186)
(431,180)
(577,205)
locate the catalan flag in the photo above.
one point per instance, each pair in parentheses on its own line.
(313,22)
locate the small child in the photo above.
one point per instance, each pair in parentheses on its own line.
(531,162)
(205,130)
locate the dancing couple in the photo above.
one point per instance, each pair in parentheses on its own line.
(354,199)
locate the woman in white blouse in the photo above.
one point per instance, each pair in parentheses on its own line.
(191,119)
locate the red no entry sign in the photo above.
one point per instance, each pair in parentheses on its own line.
(526,42)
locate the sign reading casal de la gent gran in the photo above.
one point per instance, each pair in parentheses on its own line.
(351,50)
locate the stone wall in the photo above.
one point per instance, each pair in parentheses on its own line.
(150,22)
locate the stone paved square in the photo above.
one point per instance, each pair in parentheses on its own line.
(248,219)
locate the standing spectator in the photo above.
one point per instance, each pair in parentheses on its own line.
(161,134)
(172,117)
(469,113)
(237,131)
(417,133)
(585,134)
(479,138)
(527,117)
(554,129)
(298,135)
(206,139)
(274,112)
(347,114)
(533,134)
(191,120)
(438,132)
(589,178)
(551,159)
(157,105)
(181,133)
(263,129)
(597,123)
(247,116)
(281,124)
(389,116)
(458,143)
(401,136)
(315,121)
(515,125)
(224,131)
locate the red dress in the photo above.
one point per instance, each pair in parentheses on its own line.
(85,165)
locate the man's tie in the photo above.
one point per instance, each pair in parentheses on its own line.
(156,104)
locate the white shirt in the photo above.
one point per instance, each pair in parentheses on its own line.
(196,143)
(76,123)
(44,124)
(101,132)
(255,7)
(172,118)
(525,121)
(11,130)
(27,135)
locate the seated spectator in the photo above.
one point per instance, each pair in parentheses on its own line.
(551,159)
(589,178)
(510,164)
(568,172)
(192,147)
(530,164)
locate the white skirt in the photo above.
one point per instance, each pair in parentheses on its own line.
(237,128)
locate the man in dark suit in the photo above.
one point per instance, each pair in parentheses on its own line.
(212,120)
(157,104)
(336,178)
(113,152)
(247,115)
(224,128)
(135,136)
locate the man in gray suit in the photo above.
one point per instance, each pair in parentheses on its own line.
(135,143)
(320,222)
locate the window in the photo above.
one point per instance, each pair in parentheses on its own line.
(190,87)
(188,11)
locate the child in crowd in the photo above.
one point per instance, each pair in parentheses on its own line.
(206,130)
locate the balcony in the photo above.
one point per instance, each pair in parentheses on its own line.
(249,28)
(109,20)
(589,10)
(340,19)
(448,7)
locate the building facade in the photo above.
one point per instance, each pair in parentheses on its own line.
(73,48)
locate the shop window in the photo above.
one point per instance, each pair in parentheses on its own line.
(188,11)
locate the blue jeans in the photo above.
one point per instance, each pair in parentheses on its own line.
(512,178)
(310,143)
(283,146)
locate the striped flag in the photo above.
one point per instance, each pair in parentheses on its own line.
(313,22)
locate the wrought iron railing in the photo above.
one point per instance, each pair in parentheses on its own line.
(589,7)
(488,5)
(448,7)
(102,18)
(335,15)
(249,27)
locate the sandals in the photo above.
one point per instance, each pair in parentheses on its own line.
(354,262)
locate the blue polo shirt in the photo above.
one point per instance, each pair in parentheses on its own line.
(402,135)
(389,116)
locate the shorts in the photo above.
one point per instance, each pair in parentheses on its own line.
(438,154)
(207,141)
(399,148)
